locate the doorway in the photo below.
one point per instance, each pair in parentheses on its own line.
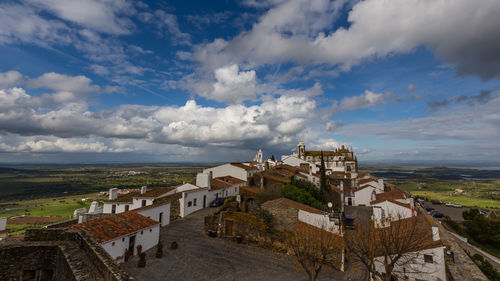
(131,244)
(204,201)
(229,227)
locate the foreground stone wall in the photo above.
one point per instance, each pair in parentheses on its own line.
(57,254)
(284,217)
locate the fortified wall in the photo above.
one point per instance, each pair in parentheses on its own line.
(57,255)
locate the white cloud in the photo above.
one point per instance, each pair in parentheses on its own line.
(10,78)
(189,125)
(411,87)
(368,99)
(102,16)
(234,85)
(295,31)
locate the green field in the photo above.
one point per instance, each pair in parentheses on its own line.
(465,200)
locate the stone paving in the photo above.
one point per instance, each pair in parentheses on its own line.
(200,257)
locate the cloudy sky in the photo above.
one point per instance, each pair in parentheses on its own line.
(123,80)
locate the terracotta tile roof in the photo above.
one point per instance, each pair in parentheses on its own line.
(245,167)
(115,226)
(361,187)
(154,205)
(250,189)
(230,179)
(363,181)
(218,184)
(278,178)
(393,194)
(285,202)
(374,202)
(301,175)
(151,193)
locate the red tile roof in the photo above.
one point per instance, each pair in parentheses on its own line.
(363,181)
(245,167)
(115,226)
(393,194)
(285,202)
(151,193)
(230,179)
(335,188)
(392,201)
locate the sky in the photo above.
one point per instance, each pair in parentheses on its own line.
(84,81)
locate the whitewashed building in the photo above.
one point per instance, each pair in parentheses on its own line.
(206,189)
(117,204)
(121,232)
(237,170)
(3,224)
(426,264)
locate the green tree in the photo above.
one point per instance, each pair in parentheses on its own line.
(300,195)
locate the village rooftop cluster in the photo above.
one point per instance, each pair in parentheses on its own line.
(129,222)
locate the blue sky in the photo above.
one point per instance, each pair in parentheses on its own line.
(131,81)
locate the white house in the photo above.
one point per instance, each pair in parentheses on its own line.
(389,208)
(207,189)
(157,212)
(363,195)
(427,263)
(3,224)
(137,199)
(237,170)
(121,232)
(294,161)
(322,221)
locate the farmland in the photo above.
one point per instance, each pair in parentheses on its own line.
(40,195)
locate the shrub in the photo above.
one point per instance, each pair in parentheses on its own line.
(300,195)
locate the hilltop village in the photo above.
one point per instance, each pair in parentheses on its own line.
(266,203)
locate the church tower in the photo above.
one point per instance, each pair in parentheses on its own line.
(301,150)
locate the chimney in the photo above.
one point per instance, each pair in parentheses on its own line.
(341,187)
(113,193)
(144,189)
(435,233)
(203,180)
(93,207)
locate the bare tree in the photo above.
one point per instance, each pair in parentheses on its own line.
(383,251)
(315,248)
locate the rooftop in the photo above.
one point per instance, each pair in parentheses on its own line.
(245,167)
(285,202)
(150,193)
(112,227)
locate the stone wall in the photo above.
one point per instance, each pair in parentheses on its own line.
(284,217)
(28,259)
(89,258)
(62,223)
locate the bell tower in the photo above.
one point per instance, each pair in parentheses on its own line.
(301,150)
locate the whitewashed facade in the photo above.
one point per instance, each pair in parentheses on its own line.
(429,264)
(193,200)
(159,213)
(147,238)
(231,169)
(320,221)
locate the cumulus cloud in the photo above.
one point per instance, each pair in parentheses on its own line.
(102,16)
(10,78)
(234,85)
(188,125)
(368,99)
(295,31)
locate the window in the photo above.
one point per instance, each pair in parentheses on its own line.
(235,189)
(113,243)
(428,258)
(142,232)
(190,203)
(123,239)
(194,201)
(126,208)
(226,193)
(144,203)
(150,230)
(113,209)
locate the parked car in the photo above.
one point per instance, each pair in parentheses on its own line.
(437,214)
(217,202)
(437,202)
(448,204)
